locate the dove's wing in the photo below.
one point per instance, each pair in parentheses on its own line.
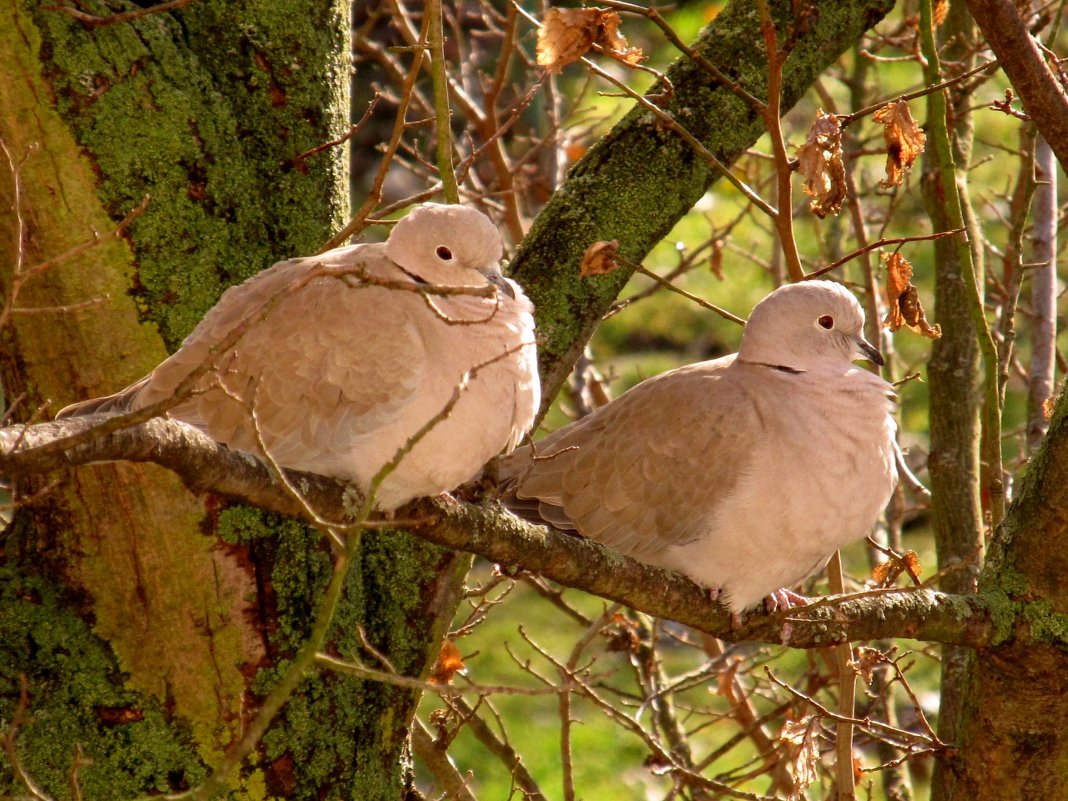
(340,374)
(321,357)
(644,472)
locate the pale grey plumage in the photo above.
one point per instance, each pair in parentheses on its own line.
(745,472)
(341,373)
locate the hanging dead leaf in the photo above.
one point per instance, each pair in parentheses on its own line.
(904,140)
(715,260)
(820,162)
(904,299)
(567,34)
(623,635)
(599,258)
(802,740)
(939,10)
(885,573)
(866,660)
(448,665)
(1047,409)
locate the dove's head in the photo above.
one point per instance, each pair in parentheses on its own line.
(447,245)
(806,326)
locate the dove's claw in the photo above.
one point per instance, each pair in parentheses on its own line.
(783,598)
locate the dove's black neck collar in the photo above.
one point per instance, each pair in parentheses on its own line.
(782,368)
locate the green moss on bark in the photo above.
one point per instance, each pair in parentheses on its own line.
(78,699)
(207,111)
(640,179)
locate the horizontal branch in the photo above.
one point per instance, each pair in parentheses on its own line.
(489,531)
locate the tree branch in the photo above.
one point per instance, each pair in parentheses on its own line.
(485,529)
(1021,58)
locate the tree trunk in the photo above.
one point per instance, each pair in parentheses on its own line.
(955,392)
(146,621)
(1012,743)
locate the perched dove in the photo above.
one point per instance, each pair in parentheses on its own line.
(746,472)
(341,373)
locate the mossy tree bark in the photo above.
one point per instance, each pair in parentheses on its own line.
(955,386)
(122,598)
(145,620)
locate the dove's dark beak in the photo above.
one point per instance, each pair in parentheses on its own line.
(496,277)
(866,350)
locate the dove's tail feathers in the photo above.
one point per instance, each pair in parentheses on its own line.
(539,512)
(121,401)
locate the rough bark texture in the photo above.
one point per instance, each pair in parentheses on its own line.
(955,391)
(485,529)
(1019,56)
(1012,740)
(639,180)
(146,620)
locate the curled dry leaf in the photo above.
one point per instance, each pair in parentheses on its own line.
(904,300)
(599,258)
(448,665)
(904,140)
(939,10)
(820,162)
(567,34)
(866,660)
(715,260)
(885,573)
(802,740)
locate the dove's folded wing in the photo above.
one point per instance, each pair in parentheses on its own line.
(643,473)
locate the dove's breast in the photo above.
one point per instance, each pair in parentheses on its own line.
(478,396)
(817,479)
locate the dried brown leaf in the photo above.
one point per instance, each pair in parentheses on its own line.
(885,573)
(567,34)
(867,659)
(449,663)
(599,258)
(939,10)
(820,162)
(715,260)
(801,738)
(1047,409)
(905,311)
(904,140)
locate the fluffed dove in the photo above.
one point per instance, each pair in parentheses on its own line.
(744,473)
(342,373)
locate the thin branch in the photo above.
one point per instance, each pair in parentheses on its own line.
(436,759)
(726,315)
(442,112)
(358,220)
(878,244)
(93,21)
(783,219)
(847,119)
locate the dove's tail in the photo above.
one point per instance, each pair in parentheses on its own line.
(121,401)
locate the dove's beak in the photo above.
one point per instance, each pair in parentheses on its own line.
(866,350)
(496,277)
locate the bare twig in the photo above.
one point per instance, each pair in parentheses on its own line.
(783,218)
(878,244)
(93,21)
(9,742)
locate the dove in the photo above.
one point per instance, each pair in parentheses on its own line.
(744,473)
(349,355)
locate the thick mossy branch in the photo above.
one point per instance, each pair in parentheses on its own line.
(638,181)
(485,529)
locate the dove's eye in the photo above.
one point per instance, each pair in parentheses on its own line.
(444,253)
(826,321)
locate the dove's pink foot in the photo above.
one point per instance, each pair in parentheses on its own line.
(784,599)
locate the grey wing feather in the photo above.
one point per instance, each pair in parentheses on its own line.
(645,471)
